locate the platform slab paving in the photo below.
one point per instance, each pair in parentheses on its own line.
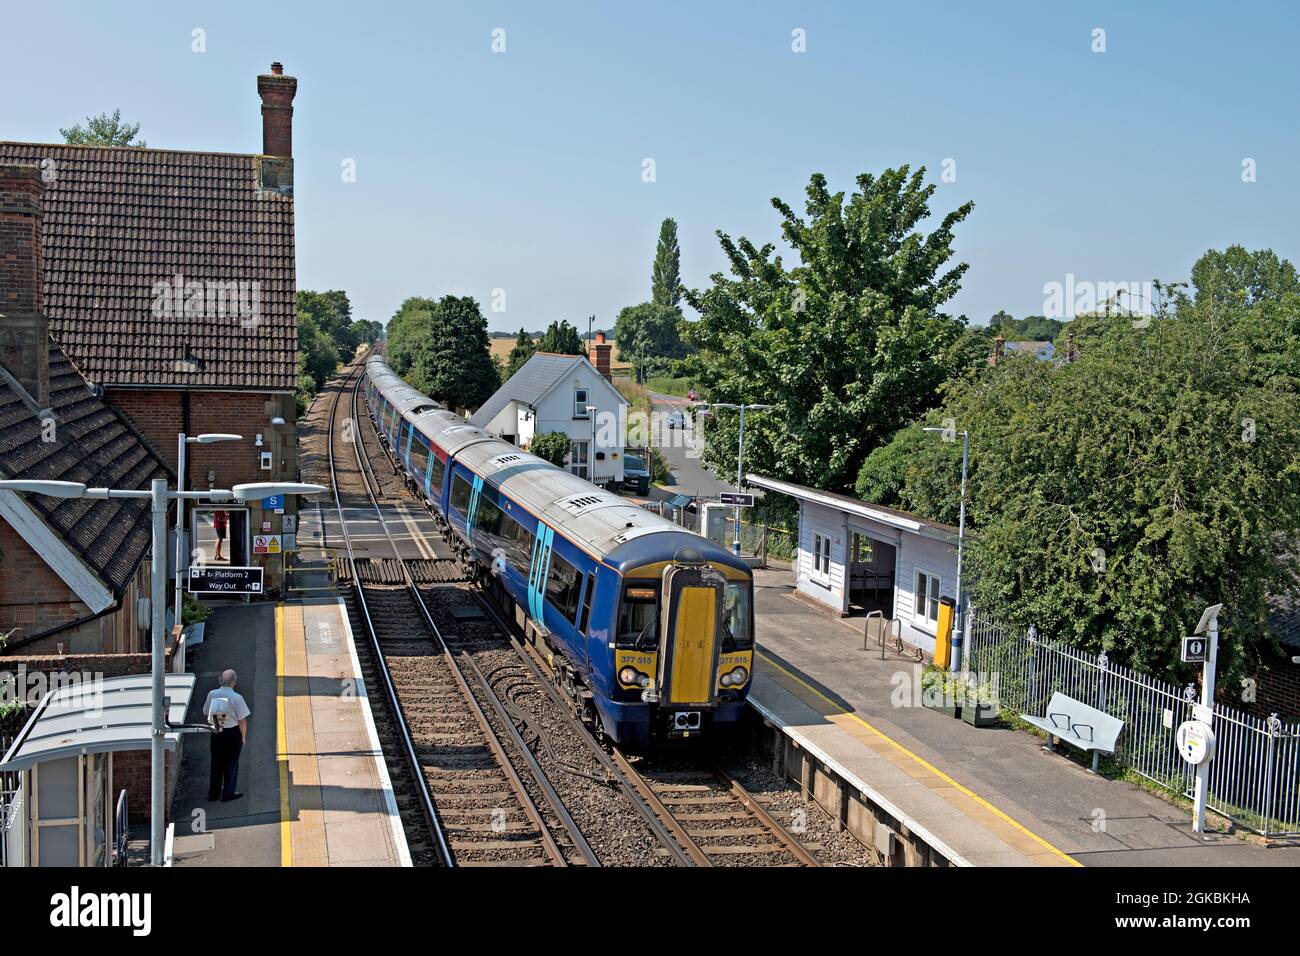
(817,662)
(243,832)
(338,800)
(316,789)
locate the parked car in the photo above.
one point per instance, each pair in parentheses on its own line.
(636,475)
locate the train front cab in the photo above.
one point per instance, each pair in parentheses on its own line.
(683,655)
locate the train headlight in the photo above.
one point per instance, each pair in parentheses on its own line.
(738,676)
(627,675)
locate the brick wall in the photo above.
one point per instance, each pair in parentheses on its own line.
(24,331)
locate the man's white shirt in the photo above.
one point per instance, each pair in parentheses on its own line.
(235,709)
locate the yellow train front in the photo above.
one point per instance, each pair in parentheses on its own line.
(679,653)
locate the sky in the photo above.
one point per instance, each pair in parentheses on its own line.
(524,170)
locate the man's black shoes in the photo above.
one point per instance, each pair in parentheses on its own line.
(233,796)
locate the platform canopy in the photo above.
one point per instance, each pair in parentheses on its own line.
(97,716)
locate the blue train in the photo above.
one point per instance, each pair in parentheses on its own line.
(649,628)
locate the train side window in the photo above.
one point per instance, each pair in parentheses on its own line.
(517,543)
(488,519)
(439,470)
(460,492)
(638,616)
(562,586)
(586,604)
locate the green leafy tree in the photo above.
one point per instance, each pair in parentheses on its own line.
(666,275)
(848,345)
(318,359)
(1111,500)
(103,130)
(647,332)
(332,313)
(520,354)
(561,338)
(550,446)
(367,331)
(441,348)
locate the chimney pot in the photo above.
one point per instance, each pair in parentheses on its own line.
(277,68)
(600,337)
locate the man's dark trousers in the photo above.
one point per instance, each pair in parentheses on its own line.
(224,775)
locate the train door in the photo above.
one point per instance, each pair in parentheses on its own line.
(538,570)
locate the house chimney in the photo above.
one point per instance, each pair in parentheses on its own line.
(24,330)
(600,350)
(1069,347)
(999,349)
(277,92)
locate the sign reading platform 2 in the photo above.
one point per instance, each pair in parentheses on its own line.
(210,579)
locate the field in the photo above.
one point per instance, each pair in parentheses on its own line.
(501,349)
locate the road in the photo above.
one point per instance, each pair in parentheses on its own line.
(690,476)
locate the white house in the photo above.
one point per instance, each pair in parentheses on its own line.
(562,393)
(1043,351)
(855,557)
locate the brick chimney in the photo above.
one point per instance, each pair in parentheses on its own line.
(24,330)
(277,92)
(999,349)
(600,350)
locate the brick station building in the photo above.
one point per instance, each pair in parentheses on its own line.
(169,287)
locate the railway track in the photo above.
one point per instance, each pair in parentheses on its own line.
(479,808)
(699,815)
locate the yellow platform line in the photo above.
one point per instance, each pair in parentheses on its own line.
(926,764)
(282,742)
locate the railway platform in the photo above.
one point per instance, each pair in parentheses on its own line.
(976,796)
(316,789)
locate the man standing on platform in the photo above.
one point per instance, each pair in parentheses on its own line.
(228,714)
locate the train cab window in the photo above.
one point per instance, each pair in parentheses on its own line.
(638,616)
(460,492)
(562,587)
(586,604)
(737,616)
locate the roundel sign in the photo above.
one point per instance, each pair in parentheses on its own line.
(1195,742)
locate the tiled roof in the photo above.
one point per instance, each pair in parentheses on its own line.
(533,380)
(121,224)
(94,446)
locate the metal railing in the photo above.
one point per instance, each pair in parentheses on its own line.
(10,802)
(1255,775)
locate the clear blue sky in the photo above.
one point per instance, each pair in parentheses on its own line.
(522,170)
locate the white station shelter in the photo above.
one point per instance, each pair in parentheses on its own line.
(854,557)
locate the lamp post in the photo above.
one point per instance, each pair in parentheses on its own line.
(955,637)
(740,455)
(182,441)
(591,449)
(158,495)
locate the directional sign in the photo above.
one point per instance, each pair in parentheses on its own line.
(212,579)
(735,498)
(1195,649)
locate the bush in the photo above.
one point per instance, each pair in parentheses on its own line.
(551,446)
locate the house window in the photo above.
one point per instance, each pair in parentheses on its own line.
(925,605)
(580,403)
(578,452)
(822,557)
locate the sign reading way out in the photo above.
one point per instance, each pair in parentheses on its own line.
(211,579)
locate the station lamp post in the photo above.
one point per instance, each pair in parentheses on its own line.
(740,455)
(592,411)
(182,441)
(954,664)
(158,494)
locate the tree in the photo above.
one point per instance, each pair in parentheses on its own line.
(103,130)
(561,338)
(648,331)
(332,313)
(550,446)
(666,276)
(318,359)
(847,346)
(1111,500)
(520,354)
(366,331)
(441,348)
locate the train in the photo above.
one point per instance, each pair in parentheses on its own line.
(648,627)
